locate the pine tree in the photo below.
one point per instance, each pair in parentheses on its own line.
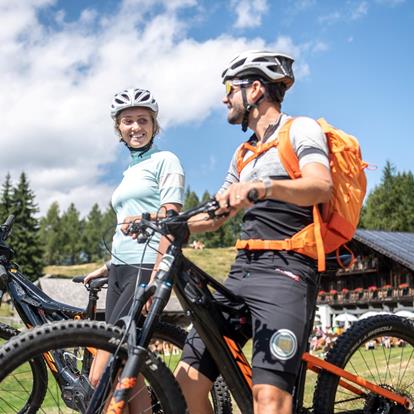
(51,235)
(25,238)
(71,227)
(191,199)
(390,206)
(108,230)
(5,199)
(92,235)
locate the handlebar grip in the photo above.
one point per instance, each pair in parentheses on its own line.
(78,279)
(3,271)
(253,195)
(10,220)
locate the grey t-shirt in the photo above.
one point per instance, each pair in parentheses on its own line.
(308,141)
(273,219)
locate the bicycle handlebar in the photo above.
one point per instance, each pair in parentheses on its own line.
(173,224)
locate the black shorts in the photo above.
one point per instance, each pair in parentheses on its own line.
(121,286)
(281,303)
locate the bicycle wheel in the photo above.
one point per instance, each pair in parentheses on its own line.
(379,349)
(32,378)
(168,342)
(68,339)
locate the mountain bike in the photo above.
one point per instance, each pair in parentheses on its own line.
(31,389)
(353,378)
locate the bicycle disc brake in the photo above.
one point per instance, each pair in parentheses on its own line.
(376,404)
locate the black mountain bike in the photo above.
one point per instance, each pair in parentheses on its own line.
(354,377)
(65,388)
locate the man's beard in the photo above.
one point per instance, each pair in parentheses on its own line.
(235,115)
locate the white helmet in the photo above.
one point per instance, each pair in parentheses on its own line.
(272,66)
(131,98)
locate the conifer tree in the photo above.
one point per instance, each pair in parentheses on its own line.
(92,235)
(5,199)
(51,235)
(71,227)
(25,238)
(390,206)
(190,199)
(108,229)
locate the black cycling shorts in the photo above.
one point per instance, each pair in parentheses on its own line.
(121,287)
(281,303)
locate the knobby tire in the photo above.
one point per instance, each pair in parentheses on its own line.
(380,349)
(73,334)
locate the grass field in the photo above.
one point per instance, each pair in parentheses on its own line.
(216,262)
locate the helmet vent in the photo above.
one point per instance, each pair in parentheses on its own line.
(237,64)
(261,59)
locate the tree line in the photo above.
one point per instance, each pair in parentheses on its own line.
(64,238)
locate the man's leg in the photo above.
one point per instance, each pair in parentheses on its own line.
(268,399)
(195,387)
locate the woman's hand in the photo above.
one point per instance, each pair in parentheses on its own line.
(127,222)
(101,272)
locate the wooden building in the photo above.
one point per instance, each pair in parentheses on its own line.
(380,279)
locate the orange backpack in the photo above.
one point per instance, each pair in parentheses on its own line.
(335,223)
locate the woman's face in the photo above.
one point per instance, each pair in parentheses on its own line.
(136,126)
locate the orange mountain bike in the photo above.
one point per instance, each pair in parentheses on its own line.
(369,370)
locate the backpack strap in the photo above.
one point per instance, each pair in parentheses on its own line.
(290,162)
(287,154)
(256,151)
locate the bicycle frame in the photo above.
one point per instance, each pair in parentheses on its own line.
(192,287)
(36,308)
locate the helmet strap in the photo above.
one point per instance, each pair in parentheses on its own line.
(247,108)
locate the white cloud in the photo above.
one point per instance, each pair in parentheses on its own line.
(57,84)
(360,10)
(249,12)
(330,18)
(351,10)
(391,3)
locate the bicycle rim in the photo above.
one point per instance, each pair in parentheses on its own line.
(156,388)
(379,350)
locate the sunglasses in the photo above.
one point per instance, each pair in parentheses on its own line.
(230,84)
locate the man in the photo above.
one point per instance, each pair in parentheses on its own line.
(277,285)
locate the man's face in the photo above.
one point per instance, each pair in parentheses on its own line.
(234,101)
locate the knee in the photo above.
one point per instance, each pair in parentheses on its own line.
(270,397)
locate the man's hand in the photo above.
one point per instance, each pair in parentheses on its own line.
(235,197)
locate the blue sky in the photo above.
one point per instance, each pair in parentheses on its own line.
(62,61)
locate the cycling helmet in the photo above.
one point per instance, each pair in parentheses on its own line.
(272,66)
(130,98)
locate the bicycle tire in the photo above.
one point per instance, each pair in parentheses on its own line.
(363,350)
(38,373)
(98,335)
(219,394)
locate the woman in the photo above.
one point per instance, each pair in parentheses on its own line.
(154,181)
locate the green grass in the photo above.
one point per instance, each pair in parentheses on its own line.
(216,262)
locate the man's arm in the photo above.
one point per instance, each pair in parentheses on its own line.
(202,223)
(314,187)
